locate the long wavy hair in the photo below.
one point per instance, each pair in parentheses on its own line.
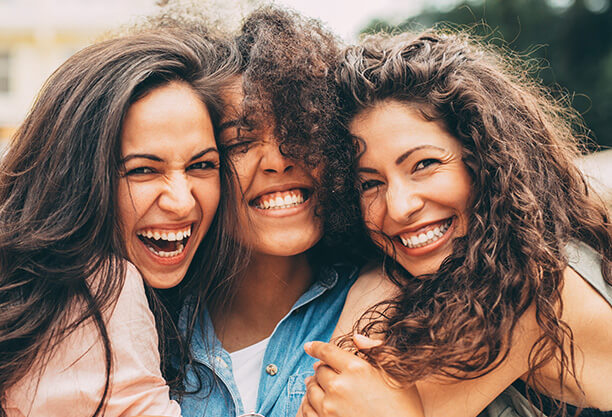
(529,200)
(58,211)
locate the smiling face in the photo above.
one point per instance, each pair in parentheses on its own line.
(415,186)
(169,189)
(277,215)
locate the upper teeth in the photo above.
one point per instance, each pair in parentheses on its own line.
(165,235)
(277,201)
(425,238)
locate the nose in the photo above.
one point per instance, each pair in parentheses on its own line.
(273,161)
(403,201)
(177,197)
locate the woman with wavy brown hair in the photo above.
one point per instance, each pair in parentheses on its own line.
(497,255)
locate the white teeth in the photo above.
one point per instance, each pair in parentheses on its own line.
(169,236)
(425,238)
(290,200)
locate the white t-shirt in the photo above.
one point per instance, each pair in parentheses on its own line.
(246,365)
(72,383)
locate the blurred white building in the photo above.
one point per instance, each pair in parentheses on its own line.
(36,36)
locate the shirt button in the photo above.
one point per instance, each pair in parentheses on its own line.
(271,369)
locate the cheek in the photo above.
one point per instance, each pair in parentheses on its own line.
(208,195)
(133,201)
(126,206)
(373,211)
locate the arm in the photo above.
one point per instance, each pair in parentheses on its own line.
(588,316)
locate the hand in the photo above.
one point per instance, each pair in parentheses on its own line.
(345,385)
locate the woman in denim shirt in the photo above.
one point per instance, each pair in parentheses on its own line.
(277,131)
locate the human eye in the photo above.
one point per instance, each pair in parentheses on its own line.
(241,145)
(138,171)
(204,165)
(366,185)
(424,163)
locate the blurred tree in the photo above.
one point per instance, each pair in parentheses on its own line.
(572,38)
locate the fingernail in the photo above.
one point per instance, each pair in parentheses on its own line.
(307,346)
(307,380)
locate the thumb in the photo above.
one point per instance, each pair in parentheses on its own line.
(364,343)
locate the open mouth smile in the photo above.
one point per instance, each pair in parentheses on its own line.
(165,243)
(279,200)
(425,236)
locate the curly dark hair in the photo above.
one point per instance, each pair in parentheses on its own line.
(529,200)
(58,184)
(289,62)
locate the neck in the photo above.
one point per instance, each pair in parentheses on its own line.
(264,295)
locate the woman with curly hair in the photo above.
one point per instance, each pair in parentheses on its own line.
(276,122)
(497,256)
(114,177)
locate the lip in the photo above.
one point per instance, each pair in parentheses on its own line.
(420,226)
(280,188)
(424,250)
(284,212)
(175,260)
(170,227)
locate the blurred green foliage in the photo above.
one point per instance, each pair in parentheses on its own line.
(571,38)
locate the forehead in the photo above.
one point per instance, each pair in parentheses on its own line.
(170,115)
(232,96)
(392,126)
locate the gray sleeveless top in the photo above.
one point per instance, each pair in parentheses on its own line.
(587,263)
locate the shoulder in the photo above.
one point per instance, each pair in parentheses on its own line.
(370,288)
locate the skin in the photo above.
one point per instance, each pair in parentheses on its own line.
(170,179)
(278,272)
(337,389)
(425,185)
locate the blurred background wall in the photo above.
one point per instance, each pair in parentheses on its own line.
(36,36)
(571,40)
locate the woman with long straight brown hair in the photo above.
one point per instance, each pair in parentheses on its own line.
(114,177)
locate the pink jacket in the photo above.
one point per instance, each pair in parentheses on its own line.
(73,381)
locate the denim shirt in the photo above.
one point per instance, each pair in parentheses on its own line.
(281,387)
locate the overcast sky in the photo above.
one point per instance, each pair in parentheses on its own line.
(347,17)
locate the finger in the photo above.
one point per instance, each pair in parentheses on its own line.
(364,343)
(332,355)
(314,396)
(326,377)
(306,409)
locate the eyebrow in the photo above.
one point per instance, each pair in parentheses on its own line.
(406,154)
(158,159)
(241,123)
(402,157)
(229,123)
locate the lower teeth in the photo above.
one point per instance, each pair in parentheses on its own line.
(167,254)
